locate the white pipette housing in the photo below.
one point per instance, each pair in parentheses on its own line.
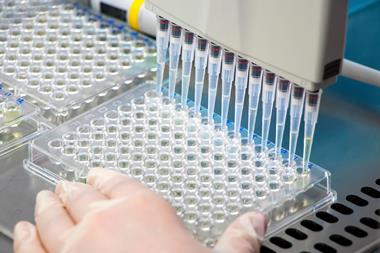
(312,33)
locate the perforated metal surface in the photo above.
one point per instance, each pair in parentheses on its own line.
(350,225)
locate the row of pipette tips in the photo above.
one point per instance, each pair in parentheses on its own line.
(235,69)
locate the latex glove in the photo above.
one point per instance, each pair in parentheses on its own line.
(114,213)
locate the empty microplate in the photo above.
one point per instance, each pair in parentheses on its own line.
(66,59)
(209,175)
(18,121)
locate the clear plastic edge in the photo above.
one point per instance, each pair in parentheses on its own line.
(22,128)
(11,146)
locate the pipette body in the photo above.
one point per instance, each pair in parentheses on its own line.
(162,41)
(296,109)
(214,62)
(282,104)
(187,62)
(260,82)
(254,90)
(242,68)
(268,95)
(174,52)
(228,74)
(201,56)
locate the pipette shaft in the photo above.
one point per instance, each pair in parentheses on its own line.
(282,104)
(313,100)
(296,109)
(240,87)
(162,40)
(269,89)
(254,90)
(228,70)
(187,61)
(214,62)
(201,55)
(174,52)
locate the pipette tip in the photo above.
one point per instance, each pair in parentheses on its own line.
(310,119)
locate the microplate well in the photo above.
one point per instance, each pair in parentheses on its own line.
(65,58)
(209,176)
(18,121)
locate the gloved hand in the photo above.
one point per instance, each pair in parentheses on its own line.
(114,213)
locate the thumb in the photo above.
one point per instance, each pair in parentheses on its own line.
(244,235)
(26,239)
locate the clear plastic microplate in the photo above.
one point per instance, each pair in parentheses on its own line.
(65,58)
(209,175)
(18,121)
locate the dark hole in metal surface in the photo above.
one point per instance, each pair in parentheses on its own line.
(378,181)
(324,248)
(370,192)
(369,222)
(341,240)
(325,216)
(342,208)
(280,242)
(357,200)
(355,231)
(377,212)
(265,249)
(296,234)
(311,225)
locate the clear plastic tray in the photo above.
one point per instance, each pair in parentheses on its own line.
(18,121)
(66,58)
(209,176)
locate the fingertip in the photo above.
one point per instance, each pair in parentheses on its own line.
(22,230)
(95,173)
(26,238)
(65,189)
(60,187)
(258,221)
(44,200)
(261,219)
(113,184)
(99,177)
(77,198)
(244,235)
(43,194)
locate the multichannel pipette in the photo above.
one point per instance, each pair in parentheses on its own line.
(162,41)
(282,104)
(174,52)
(240,87)
(228,72)
(254,90)
(310,71)
(214,61)
(296,108)
(187,62)
(313,100)
(261,82)
(269,90)
(201,56)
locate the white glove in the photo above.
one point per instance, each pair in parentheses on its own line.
(113,213)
